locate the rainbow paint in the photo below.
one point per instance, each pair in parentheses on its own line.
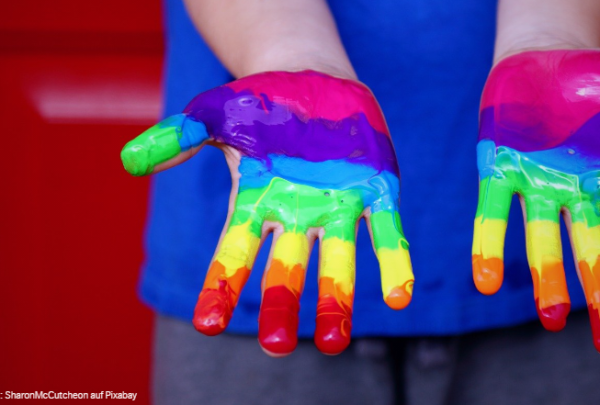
(540,137)
(313,155)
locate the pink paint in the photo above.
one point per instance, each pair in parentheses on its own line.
(558,89)
(321,97)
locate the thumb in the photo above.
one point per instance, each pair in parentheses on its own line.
(168,143)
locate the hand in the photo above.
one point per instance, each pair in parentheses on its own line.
(540,137)
(310,155)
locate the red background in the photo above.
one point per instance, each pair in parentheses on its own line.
(78,79)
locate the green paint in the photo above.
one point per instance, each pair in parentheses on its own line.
(299,207)
(387,230)
(156,145)
(545,190)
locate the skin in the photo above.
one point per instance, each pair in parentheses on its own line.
(270,35)
(529,25)
(539,126)
(290,36)
(310,156)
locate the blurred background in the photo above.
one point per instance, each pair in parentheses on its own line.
(78,80)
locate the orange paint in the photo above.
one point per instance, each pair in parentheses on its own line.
(218,298)
(400,297)
(278,318)
(551,296)
(591,286)
(487,274)
(334,318)
(280,274)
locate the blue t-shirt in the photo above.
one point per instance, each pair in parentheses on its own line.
(426,61)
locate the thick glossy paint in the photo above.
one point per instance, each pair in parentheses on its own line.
(253,124)
(283,284)
(336,294)
(344,98)
(315,152)
(227,275)
(162,142)
(540,138)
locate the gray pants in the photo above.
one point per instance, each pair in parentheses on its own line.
(521,365)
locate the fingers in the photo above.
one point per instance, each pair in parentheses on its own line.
(495,195)
(226,276)
(282,285)
(166,144)
(544,254)
(336,288)
(391,248)
(585,237)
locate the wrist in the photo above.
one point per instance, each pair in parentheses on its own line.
(539,41)
(543,25)
(284,60)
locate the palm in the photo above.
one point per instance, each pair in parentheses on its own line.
(310,156)
(539,137)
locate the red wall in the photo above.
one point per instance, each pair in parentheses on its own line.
(78,79)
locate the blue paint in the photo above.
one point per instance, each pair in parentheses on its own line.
(380,190)
(190,133)
(486,158)
(565,159)
(193,133)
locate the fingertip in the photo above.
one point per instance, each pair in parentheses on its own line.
(334,319)
(209,326)
(488,274)
(212,313)
(332,334)
(334,338)
(136,160)
(399,297)
(275,354)
(595,324)
(554,317)
(278,321)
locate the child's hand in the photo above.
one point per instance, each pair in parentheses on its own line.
(540,137)
(310,155)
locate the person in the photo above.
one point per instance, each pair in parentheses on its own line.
(426,63)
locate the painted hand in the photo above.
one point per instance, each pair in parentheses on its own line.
(310,155)
(540,137)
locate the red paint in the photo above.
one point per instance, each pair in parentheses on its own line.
(218,298)
(334,323)
(595,322)
(278,320)
(554,317)
(487,274)
(591,286)
(551,289)
(213,310)
(311,104)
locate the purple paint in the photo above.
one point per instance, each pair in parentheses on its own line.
(240,119)
(529,138)
(543,100)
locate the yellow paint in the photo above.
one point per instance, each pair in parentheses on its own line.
(396,269)
(587,243)
(488,238)
(543,243)
(338,263)
(238,248)
(292,248)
